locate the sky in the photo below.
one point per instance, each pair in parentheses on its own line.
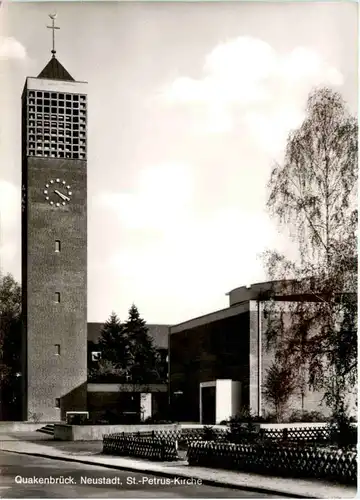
(190,105)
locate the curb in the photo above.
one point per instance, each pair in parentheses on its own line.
(208,482)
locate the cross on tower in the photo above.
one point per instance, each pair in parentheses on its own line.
(53,28)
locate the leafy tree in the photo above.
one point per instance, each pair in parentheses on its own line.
(313,193)
(105,371)
(144,356)
(279,386)
(10,347)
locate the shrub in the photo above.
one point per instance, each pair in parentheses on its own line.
(243,428)
(306,416)
(268,418)
(35,417)
(157,420)
(78,419)
(342,432)
(209,433)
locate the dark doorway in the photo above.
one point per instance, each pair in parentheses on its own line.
(208,405)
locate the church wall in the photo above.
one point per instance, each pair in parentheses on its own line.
(212,351)
(312,399)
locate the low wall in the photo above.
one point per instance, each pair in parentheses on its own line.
(293,425)
(64,432)
(6,427)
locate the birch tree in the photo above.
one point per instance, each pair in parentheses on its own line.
(313,194)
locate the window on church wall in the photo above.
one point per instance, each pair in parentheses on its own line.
(57,403)
(57,297)
(57,349)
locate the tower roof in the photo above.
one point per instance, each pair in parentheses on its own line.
(55,71)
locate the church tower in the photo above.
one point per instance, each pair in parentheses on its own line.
(54,242)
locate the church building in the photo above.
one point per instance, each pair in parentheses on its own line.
(217,363)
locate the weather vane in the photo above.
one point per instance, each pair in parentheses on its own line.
(53,28)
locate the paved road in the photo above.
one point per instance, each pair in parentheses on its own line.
(16,468)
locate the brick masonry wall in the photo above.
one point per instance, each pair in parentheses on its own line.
(312,399)
(213,351)
(51,376)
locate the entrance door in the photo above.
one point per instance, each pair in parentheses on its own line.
(208,405)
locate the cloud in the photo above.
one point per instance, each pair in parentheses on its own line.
(247,82)
(193,265)
(160,200)
(187,259)
(10,48)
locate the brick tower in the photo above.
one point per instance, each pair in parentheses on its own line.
(54,243)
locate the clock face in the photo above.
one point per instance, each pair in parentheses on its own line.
(57,192)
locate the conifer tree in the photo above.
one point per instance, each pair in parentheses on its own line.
(144,356)
(113,343)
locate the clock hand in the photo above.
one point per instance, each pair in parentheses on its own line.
(62,195)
